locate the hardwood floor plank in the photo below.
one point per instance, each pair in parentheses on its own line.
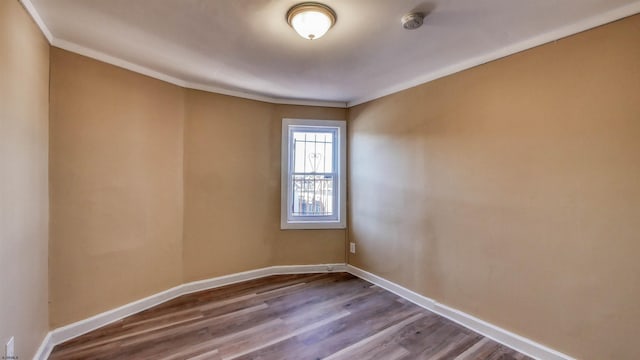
(438,339)
(192,351)
(386,353)
(354,351)
(205,356)
(178,315)
(227,332)
(467,355)
(368,316)
(288,334)
(333,316)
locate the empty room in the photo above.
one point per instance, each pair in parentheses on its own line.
(340,180)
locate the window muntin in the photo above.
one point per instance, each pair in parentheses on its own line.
(313,167)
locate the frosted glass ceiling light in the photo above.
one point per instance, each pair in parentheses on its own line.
(311,20)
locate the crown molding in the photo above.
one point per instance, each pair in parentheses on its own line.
(36,17)
(100,56)
(112,60)
(572,29)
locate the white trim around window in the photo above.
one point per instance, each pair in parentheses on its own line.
(313,192)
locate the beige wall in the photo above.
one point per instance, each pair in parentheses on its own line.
(232,189)
(24,199)
(116,186)
(118,142)
(511,191)
(292,247)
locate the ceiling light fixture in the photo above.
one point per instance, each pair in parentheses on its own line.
(311,20)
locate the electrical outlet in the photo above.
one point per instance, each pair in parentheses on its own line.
(352,247)
(9,352)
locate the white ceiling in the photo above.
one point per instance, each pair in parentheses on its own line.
(246,48)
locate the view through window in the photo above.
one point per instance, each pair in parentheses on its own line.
(312,159)
(313,174)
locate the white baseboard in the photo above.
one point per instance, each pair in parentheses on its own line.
(68,332)
(505,337)
(45,348)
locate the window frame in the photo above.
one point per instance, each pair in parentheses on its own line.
(340,156)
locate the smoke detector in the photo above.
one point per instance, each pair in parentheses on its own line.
(412,21)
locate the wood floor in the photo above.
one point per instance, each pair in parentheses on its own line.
(314,316)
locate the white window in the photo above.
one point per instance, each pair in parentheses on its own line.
(313,174)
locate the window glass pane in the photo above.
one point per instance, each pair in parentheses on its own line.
(312,195)
(312,180)
(312,152)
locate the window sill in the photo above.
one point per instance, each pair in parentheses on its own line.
(312,225)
